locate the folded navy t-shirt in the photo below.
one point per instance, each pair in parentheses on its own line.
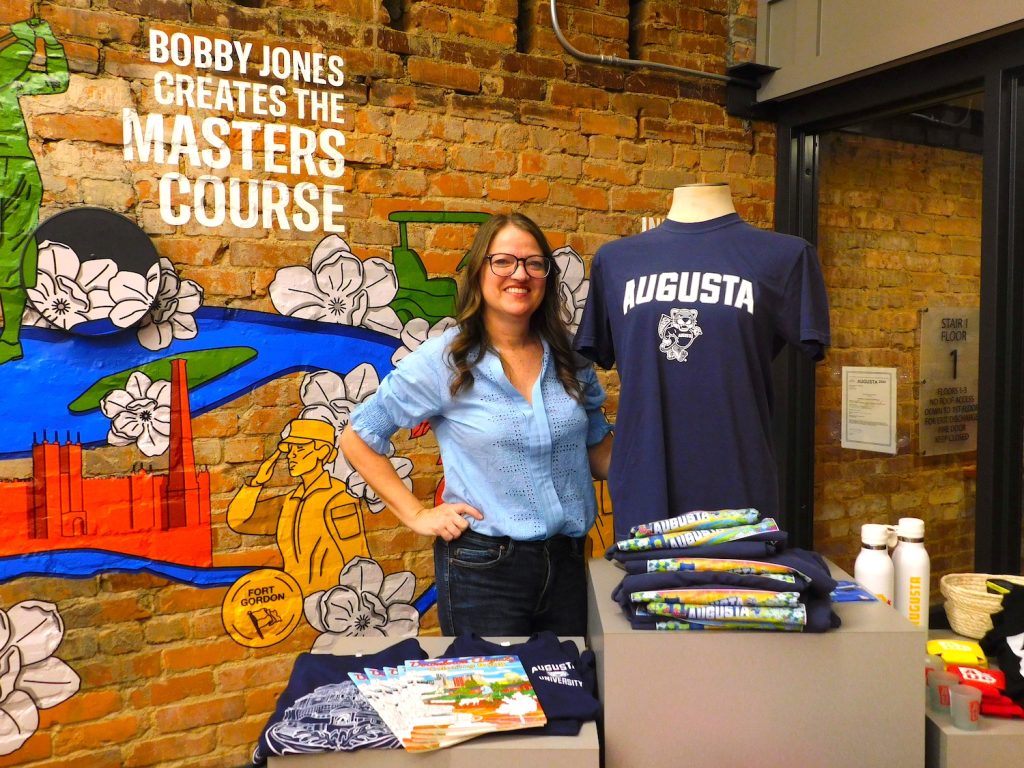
(649,582)
(820,616)
(814,591)
(320,682)
(819,580)
(564,679)
(760,545)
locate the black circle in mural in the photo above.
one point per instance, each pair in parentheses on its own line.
(89,262)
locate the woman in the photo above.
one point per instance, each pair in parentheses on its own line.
(520,430)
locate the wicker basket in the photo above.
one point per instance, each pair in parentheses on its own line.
(969,605)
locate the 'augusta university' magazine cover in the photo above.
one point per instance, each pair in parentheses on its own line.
(439,702)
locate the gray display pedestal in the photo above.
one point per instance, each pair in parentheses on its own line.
(998,743)
(510,750)
(850,697)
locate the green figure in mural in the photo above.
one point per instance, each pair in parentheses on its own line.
(21,188)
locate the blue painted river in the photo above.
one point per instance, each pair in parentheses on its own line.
(59,366)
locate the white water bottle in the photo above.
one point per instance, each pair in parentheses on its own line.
(912,568)
(873,568)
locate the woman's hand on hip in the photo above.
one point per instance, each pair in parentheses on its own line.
(445,520)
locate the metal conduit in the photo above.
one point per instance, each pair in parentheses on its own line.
(615,61)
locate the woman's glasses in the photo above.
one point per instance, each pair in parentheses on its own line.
(505,264)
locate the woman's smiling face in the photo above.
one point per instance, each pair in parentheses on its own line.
(518,295)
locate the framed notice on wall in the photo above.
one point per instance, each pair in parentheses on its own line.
(948,403)
(869,409)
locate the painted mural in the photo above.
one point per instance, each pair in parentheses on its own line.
(21,187)
(107,345)
(31,677)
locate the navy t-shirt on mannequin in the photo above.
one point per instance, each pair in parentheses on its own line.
(693,314)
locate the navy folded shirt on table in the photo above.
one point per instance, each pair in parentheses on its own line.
(820,616)
(814,591)
(298,724)
(759,546)
(649,582)
(810,564)
(564,679)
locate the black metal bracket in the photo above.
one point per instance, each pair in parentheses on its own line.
(741,98)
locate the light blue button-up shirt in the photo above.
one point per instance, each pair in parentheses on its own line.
(523,465)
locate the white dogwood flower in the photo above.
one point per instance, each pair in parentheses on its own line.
(162,305)
(365,604)
(328,397)
(132,295)
(418,330)
(359,488)
(69,291)
(339,287)
(140,414)
(573,286)
(31,678)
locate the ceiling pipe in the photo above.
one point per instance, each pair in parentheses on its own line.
(615,61)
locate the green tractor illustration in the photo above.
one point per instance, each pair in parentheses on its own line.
(419,295)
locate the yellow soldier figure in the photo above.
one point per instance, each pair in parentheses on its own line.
(318,525)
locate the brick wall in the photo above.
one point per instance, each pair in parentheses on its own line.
(450,105)
(899,231)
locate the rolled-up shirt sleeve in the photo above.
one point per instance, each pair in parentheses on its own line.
(411,393)
(593,398)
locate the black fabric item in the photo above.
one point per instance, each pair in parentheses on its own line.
(695,422)
(564,679)
(1005,641)
(811,564)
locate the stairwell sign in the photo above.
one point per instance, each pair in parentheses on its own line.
(948,402)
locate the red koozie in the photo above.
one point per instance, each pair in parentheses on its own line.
(989,681)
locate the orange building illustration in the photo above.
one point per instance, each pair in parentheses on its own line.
(156,516)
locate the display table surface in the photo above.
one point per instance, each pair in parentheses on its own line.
(854,696)
(504,750)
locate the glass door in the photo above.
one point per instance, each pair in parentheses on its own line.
(899,227)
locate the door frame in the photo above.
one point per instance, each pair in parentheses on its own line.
(995,67)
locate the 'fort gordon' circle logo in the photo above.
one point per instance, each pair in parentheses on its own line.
(262,608)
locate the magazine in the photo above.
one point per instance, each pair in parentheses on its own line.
(376,689)
(436,703)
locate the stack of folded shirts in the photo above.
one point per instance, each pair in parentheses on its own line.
(721,570)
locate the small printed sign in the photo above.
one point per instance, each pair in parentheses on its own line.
(869,409)
(948,402)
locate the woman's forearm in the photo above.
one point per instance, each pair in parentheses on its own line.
(445,520)
(600,455)
(379,473)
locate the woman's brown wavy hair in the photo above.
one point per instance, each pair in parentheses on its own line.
(472,340)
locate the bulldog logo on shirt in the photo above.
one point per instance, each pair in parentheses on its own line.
(677,330)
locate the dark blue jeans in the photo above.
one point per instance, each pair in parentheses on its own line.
(499,587)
